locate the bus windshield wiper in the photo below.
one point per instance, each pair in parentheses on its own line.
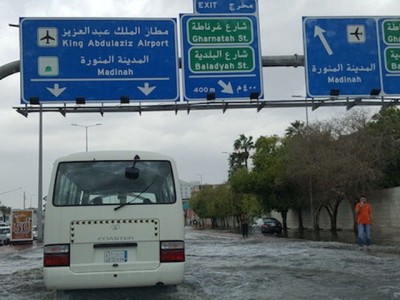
(138,195)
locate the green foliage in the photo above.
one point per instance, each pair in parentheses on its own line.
(242,147)
(213,202)
(270,166)
(332,160)
(5,210)
(385,126)
(266,180)
(220,201)
(198,203)
(241,181)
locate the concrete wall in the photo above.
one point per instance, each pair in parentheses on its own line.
(385,213)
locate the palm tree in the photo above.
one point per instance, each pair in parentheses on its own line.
(296,128)
(242,147)
(235,162)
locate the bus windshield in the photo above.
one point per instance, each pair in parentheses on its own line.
(97,183)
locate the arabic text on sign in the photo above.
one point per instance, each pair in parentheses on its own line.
(221,59)
(391,31)
(87,30)
(220,31)
(341,67)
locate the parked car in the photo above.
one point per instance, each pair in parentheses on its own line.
(271,225)
(35,232)
(5,232)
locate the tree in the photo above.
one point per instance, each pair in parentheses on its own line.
(269,171)
(218,203)
(198,203)
(340,158)
(235,162)
(245,199)
(266,179)
(5,211)
(298,131)
(385,126)
(242,147)
(296,128)
(320,165)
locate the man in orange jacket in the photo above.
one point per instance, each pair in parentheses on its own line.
(364,220)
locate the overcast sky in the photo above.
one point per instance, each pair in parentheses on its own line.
(197,140)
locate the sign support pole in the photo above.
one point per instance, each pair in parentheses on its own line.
(40,178)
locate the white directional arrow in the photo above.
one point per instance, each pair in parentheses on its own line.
(56,90)
(318,31)
(146,89)
(227,88)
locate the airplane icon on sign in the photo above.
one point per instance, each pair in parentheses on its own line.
(356,33)
(47,38)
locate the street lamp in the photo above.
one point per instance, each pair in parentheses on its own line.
(86,129)
(310,187)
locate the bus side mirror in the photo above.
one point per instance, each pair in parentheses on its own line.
(132,173)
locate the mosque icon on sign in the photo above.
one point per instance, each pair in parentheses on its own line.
(48,66)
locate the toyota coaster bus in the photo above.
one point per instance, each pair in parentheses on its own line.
(113,219)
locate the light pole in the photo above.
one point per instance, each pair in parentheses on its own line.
(86,130)
(201,178)
(31,201)
(310,188)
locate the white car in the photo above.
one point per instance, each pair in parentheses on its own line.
(256,226)
(5,232)
(35,232)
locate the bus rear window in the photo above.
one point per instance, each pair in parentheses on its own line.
(105,183)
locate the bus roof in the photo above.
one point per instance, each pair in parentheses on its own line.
(114,155)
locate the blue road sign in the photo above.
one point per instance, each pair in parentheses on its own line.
(356,56)
(225,6)
(100,60)
(221,57)
(341,56)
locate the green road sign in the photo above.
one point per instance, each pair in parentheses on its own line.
(218,31)
(391,37)
(392,59)
(221,57)
(238,59)
(391,31)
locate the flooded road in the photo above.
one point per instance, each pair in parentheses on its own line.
(226,266)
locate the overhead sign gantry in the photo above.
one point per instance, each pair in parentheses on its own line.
(99,60)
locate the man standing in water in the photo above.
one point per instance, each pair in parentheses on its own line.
(244,220)
(364,215)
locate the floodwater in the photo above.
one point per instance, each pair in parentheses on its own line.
(222,265)
(387,238)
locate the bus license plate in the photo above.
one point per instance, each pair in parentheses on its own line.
(112,256)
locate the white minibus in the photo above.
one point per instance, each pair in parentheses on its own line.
(113,219)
